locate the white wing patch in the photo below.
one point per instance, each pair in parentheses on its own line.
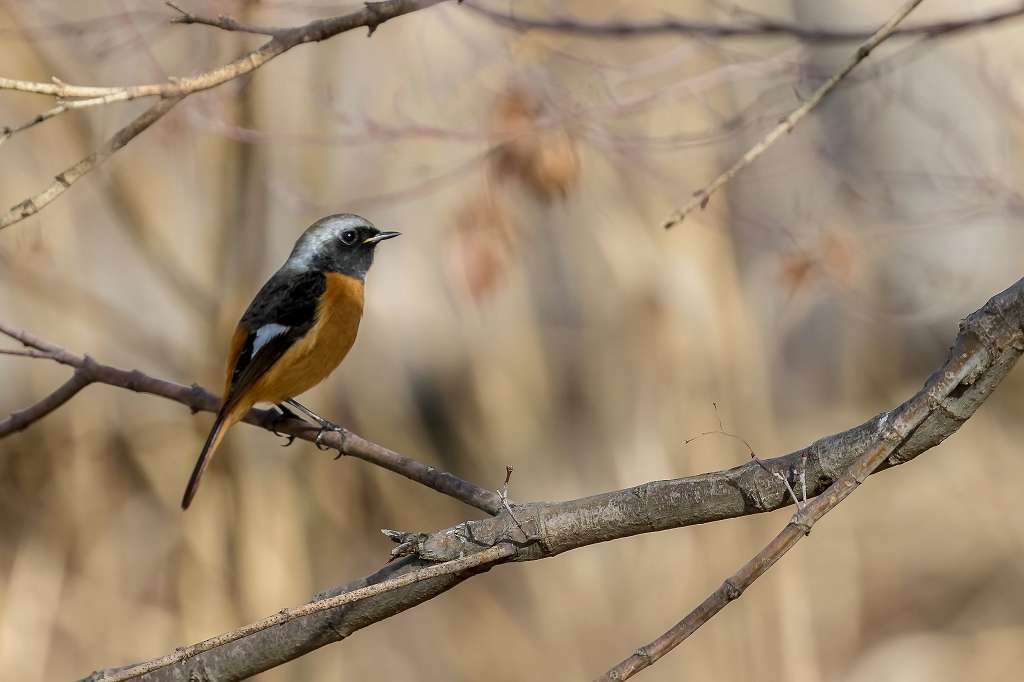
(266,333)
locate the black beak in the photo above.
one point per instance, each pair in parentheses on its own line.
(381,236)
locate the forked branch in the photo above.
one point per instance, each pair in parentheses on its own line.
(372,15)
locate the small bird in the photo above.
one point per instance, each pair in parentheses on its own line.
(299,327)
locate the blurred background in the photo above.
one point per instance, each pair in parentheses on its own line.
(533,313)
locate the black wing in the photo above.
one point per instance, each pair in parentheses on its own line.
(282,312)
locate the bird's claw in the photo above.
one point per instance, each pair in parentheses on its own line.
(324,428)
(283,414)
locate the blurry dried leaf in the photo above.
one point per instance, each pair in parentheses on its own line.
(842,257)
(485,238)
(837,256)
(542,158)
(797,270)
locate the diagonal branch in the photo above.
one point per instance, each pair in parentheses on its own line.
(63,181)
(701,197)
(988,346)
(372,15)
(198,399)
(21,419)
(485,559)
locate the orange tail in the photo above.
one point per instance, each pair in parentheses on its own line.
(226,418)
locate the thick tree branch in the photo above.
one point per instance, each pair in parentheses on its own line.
(988,346)
(486,558)
(198,399)
(753,26)
(701,197)
(372,15)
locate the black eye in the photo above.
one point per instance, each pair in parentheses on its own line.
(349,237)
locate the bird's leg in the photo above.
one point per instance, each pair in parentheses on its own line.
(325,425)
(283,413)
(287,413)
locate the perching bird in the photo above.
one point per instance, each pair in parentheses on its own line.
(299,327)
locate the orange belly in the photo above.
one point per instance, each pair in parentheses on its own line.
(313,357)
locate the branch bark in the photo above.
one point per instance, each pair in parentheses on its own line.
(988,346)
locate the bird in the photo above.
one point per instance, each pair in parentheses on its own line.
(298,328)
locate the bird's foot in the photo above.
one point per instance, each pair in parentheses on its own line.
(283,414)
(325,427)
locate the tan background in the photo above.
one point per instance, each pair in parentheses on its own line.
(534,314)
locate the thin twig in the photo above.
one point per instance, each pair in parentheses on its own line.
(26,353)
(503,494)
(701,197)
(8,131)
(224,23)
(489,556)
(780,476)
(198,399)
(750,450)
(62,106)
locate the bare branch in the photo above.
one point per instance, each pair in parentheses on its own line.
(224,23)
(25,353)
(64,180)
(988,346)
(756,27)
(7,131)
(487,557)
(21,419)
(372,15)
(198,399)
(701,197)
(720,431)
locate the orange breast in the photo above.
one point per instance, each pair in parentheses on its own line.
(318,353)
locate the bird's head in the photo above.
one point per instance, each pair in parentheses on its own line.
(342,243)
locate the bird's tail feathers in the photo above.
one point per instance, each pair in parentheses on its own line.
(226,418)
